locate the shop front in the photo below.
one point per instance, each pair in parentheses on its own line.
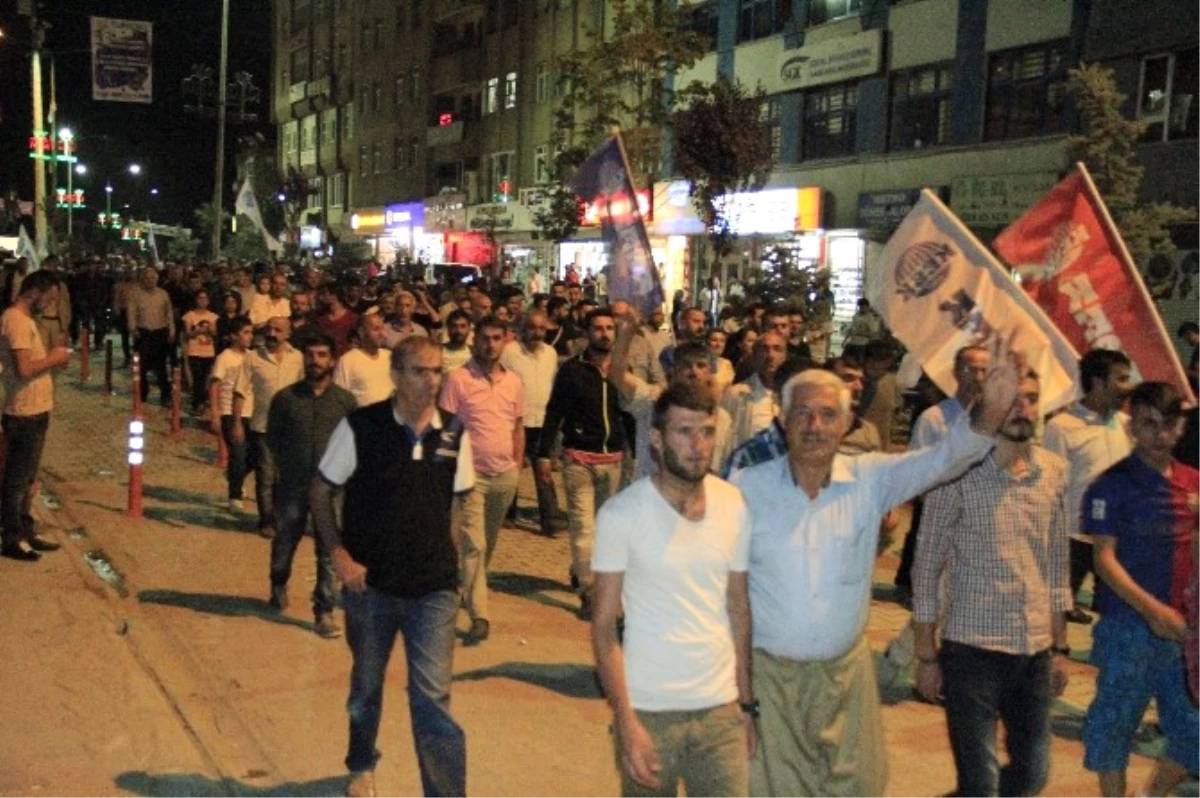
(448,237)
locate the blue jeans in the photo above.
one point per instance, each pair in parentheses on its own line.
(235,472)
(24,440)
(291,513)
(427,624)
(982,687)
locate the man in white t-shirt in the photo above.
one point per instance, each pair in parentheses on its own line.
(234,406)
(365,371)
(673,550)
(272,367)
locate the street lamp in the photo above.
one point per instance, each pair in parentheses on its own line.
(135,169)
(80,169)
(66,136)
(108,200)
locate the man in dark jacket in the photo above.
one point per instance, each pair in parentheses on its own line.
(584,404)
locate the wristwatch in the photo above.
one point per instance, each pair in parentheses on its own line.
(750,707)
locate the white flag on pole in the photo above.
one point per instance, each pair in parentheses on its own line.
(26,249)
(247,205)
(939,289)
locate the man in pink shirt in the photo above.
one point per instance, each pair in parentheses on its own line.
(490,401)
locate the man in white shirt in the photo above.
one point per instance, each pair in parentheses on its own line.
(536,363)
(672,551)
(815,523)
(273,366)
(234,406)
(275,302)
(365,371)
(753,404)
(456,351)
(1092,435)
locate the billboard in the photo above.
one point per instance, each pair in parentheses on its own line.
(121,60)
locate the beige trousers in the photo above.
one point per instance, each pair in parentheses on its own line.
(483,511)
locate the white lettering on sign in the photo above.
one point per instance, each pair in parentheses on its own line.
(1086,308)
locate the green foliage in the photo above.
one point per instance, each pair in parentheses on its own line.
(620,79)
(722,146)
(349,255)
(179,248)
(1107,145)
(204,222)
(785,283)
(247,243)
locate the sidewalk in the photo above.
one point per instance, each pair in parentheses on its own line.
(174,678)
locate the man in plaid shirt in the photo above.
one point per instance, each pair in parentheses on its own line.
(1003,652)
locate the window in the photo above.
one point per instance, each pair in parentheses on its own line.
(1167,96)
(830,117)
(364,36)
(414,83)
(1026,92)
(308,133)
(347,122)
(377,94)
(820,11)
(761,18)
(416,14)
(378,159)
(289,137)
(364,99)
(703,19)
(299,65)
(921,108)
(501,188)
(378,33)
(541,164)
(542,86)
(398,152)
(510,90)
(414,145)
(329,127)
(337,190)
(316,193)
(772,115)
(399,90)
(490,98)
(364,161)
(343,55)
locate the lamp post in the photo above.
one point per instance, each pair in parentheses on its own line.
(67,137)
(108,200)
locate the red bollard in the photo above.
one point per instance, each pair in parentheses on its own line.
(137,385)
(137,447)
(214,403)
(108,368)
(176,399)
(85,356)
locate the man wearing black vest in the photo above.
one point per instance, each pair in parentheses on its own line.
(401,462)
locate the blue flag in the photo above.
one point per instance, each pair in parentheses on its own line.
(604,181)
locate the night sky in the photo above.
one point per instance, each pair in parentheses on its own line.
(175,149)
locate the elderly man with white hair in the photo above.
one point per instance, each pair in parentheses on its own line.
(816,517)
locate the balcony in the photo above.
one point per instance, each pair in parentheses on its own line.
(438,135)
(297,92)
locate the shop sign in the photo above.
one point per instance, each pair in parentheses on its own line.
(404,215)
(497,216)
(446,212)
(367,221)
(832,61)
(996,200)
(766,212)
(884,210)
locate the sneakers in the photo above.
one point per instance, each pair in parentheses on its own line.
(478,633)
(266,531)
(361,784)
(327,628)
(279,598)
(19,551)
(38,543)
(1076,615)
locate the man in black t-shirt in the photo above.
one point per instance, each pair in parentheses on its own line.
(398,560)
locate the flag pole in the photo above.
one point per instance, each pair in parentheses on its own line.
(616,131)
(1135,274)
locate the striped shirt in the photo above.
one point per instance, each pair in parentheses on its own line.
(1009,541)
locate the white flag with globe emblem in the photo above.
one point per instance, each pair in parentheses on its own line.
(247,205)
(939,289)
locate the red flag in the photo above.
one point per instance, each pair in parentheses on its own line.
(1074,264)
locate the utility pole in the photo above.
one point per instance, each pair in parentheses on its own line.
(219,179)
(38,29)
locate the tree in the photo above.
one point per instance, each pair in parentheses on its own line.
(180,248)
(246,243)
(204,223)
(621,78)
(786,284)
(1107,144)
(722,146)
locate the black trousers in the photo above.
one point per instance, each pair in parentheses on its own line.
(153,346)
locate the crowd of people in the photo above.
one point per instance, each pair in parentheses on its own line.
(728,485)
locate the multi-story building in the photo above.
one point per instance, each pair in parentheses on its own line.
(427,122)
(1152,50)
